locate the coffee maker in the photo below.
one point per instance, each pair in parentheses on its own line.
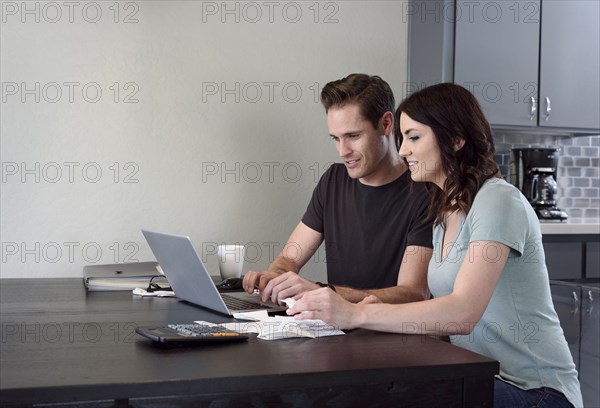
(533,170)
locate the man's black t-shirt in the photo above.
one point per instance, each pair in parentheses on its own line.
(366,229)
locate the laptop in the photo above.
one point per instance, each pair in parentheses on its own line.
(190,280)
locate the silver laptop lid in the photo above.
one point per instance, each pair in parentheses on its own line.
(184,270)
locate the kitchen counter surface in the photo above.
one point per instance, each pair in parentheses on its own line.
(588,283)
(556,228)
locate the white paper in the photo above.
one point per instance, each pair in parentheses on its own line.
(280,327)
(289,302)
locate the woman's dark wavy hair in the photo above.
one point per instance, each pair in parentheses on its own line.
(453,113)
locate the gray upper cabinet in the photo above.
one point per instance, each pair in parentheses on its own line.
(430,43)
(569,64)
(496,57)
(532,64)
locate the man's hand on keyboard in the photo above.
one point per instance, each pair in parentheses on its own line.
(288,285)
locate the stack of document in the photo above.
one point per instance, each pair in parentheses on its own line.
(126,276)
(280,327)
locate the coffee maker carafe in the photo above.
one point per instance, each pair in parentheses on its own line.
(541,190)
(533,171)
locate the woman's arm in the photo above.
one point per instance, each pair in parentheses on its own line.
(456,313)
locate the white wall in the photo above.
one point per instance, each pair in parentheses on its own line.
(184,156)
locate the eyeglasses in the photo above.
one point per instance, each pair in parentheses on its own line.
(154,287)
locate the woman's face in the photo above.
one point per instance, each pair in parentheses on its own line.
(421,151)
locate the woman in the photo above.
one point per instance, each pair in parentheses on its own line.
(487,274)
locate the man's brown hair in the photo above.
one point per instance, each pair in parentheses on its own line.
(371,93)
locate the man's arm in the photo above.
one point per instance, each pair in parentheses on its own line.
(412,280)
(301,245)
(411,285)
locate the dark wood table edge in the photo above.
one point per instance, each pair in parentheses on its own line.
(236,385)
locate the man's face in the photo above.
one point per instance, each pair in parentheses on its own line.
(360,146)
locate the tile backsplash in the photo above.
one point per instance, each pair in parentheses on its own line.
(578,170)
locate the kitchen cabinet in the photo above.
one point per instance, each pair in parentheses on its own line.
(496,58)
(577,304)
(564,260)
(532,64)
(567,301)
(592,268)
(572,256)
(589,360)
(569,83)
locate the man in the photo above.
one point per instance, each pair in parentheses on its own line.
(373,220)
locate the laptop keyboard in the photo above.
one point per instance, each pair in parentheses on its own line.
(234,303)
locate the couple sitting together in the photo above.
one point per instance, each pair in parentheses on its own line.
(417,239)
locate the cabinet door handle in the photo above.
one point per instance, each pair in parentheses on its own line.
(533,108)
(575,297)
(548,108)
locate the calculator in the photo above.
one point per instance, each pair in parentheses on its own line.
(191,333)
